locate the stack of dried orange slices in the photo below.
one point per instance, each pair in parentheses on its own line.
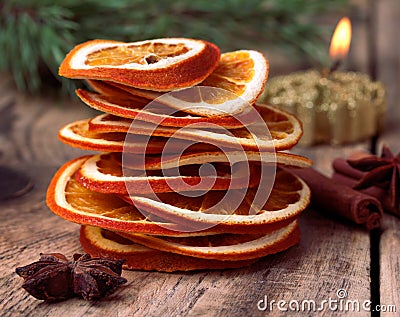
(191,173)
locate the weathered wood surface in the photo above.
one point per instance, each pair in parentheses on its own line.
(388,71)
(332,255)
(389,244)
(389,263)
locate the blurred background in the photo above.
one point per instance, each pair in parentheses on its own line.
(36,34)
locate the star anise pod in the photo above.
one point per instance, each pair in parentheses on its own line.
(53,277)
(381,171)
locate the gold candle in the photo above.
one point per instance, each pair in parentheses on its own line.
(334,107)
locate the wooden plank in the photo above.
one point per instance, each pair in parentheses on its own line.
(389,250)
(388,15)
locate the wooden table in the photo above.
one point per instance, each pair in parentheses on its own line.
(333,257)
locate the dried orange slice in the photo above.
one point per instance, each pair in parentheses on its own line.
(159,64)
(242,73)
(233,87)
(106,89)
(103,243)
(110,88)
(158,113)
(225,247)
(155,162)
(285,131)
(71,201)
(77,134)
(289,196)
(103,173)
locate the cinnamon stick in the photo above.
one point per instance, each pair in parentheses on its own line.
(341,200)
(341,166)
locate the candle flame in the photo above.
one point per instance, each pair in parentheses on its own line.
(341,38)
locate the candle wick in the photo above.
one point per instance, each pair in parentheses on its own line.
(335,65)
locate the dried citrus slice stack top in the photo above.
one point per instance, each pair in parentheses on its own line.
(243,73)
(160,65)
(241,76)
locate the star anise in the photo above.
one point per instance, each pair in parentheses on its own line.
(53,277)
(381,171)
